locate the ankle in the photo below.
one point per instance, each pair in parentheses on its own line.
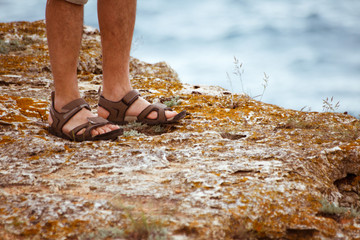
(62,99)
(115,93)
(102,112)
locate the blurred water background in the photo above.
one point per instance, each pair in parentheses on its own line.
(310,49)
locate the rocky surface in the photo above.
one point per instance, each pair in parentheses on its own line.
(235,168)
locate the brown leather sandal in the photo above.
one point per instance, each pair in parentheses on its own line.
(68,111)
(117,111)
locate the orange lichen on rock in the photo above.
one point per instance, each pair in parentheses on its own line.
(6,139)
(21,109)
(30,108)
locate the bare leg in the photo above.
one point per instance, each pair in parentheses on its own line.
(64,23)
(116,20)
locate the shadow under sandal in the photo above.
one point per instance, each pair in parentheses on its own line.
(68,111)
(117,111)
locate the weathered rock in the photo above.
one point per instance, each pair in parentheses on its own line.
(235,168)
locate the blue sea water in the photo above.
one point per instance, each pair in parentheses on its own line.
(310,49)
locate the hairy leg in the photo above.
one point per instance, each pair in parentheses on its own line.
(64,25)
(117,20)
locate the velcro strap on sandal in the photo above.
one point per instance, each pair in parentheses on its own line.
(76,108)
(97,120)
(78,103)
(131,97)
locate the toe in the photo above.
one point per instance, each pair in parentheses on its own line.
(95,132)
(152,115)
(170,114)
(101,130)
(113,127)
(81,131)
(106,129)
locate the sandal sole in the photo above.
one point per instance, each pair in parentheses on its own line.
(106,136)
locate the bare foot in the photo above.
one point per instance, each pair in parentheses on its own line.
(136,108)
(81,118)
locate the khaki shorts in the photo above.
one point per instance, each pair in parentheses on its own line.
(78,2)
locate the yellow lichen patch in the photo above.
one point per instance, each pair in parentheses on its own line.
(27,107)
(41,137)
(166,87)
(11,64)
(40,48)
(351,146)
(54,229)
(31,108)
(6,139)
(68,149)
(23,28)
(12,117)
(275,217)
(325,225)
(32,158)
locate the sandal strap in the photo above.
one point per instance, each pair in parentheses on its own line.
(157,107)
(67,112)
(118,109)
(93,122)
(131,97)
